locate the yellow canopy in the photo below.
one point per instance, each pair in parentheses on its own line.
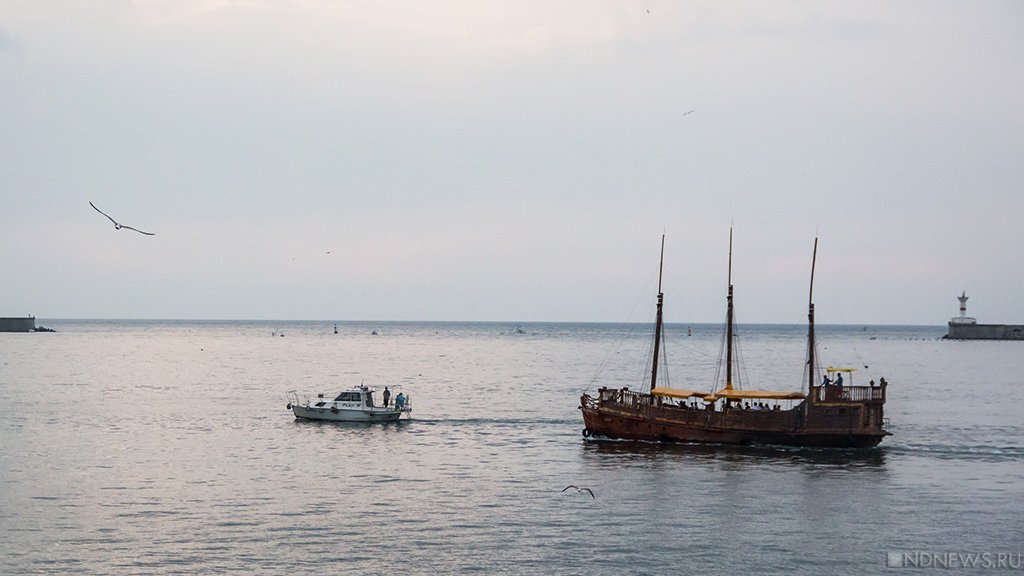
(761,394)
(677,393)
(847,370)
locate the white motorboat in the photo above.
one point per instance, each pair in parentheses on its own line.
(354,405)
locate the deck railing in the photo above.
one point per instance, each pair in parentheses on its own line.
(640,400)
(849,393)
(699,414)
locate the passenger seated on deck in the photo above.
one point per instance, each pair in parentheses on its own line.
(400,401)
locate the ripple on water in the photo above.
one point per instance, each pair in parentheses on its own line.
(187,462)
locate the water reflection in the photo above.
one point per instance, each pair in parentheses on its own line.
(328,424)
(617,450)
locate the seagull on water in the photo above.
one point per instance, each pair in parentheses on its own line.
(117,225)
(578,489)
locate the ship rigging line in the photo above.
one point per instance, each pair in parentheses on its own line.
(663,362)
(617,347)
(739,360)
(856,352)
(718,384)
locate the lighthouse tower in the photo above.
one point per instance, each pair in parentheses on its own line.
(963,318)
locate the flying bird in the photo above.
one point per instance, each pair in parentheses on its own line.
(117,225)
(690,112)
(580,490)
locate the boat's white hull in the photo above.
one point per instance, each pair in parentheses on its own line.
(375,414)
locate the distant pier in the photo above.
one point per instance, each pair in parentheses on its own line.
(18,324)
(963,327)
(985,332)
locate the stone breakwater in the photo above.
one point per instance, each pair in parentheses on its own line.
(984,332)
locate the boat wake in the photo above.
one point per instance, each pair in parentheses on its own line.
(499,422)
(970,452)
(976,443)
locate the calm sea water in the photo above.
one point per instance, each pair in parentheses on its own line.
(166,448)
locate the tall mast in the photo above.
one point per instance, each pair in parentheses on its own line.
(728,324)
(658,321)
(810,326)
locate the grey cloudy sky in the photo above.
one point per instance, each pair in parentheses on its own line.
(485,160)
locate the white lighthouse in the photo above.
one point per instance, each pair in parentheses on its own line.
(963,318)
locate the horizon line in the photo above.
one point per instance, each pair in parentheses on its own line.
(533,322)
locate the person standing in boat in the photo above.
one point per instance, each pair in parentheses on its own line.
(825,381)
(387,396)
(839,379)
(400,401)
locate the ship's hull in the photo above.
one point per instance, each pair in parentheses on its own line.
(618,426)
(850,417)
(341,415)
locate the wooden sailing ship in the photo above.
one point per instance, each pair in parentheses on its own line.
(827,415)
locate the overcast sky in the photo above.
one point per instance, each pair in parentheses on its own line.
(511,161)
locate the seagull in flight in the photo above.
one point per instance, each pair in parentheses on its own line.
(580,490)
(117,225)
(690,112)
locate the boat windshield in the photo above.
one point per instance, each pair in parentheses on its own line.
(348,397)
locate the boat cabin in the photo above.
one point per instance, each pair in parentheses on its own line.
(356,398)
(359,397)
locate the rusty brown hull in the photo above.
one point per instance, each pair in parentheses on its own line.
(823,424)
